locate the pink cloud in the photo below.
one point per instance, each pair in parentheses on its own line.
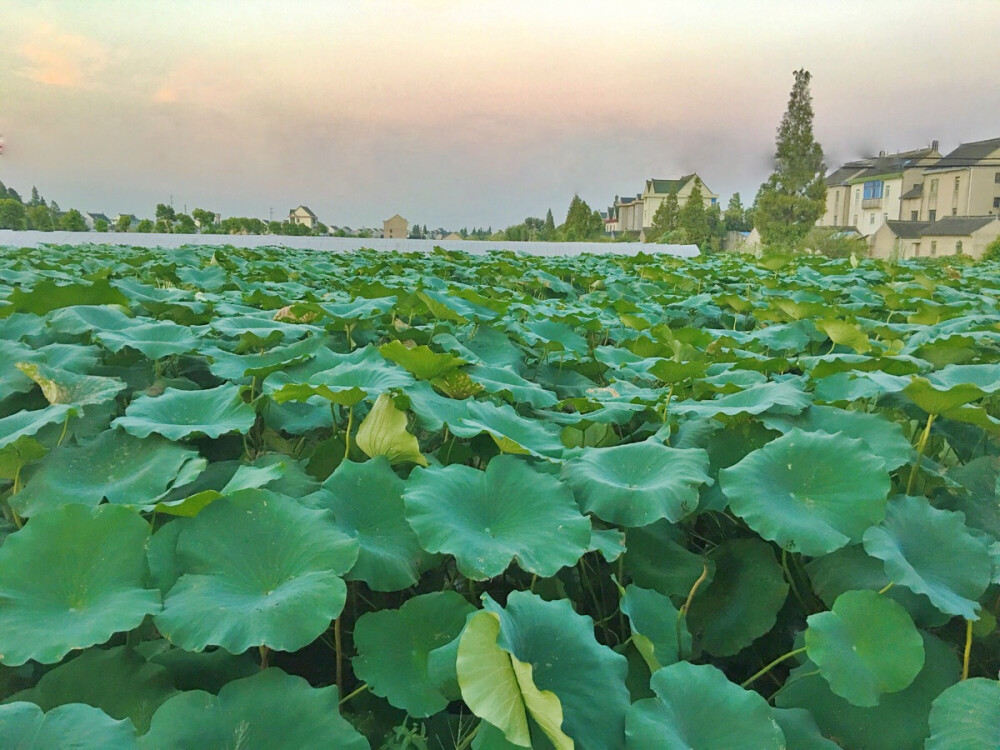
(55,58)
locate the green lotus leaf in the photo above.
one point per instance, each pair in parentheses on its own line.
(65,387)
(432,410)
(269,710)
(511,432)
(229,366)
(552,650)
(256,569)
(984,376)
(86,319)
(884,439)
(696,706)
(394,645)
(638,484)
(743,599)
(154,340)
(486,519)
(935,400)
(932,552)
(245,478)
(259,327)
(367,371)
(93,471)
(800,730)
(795,491)
(367,502)
(118,681)
(784,397)
(178,414)
(898,722)
(504,380)
(656,559)
(851,568)
(74,726)
(15,456)
(421,361)
(655,631)
(29,423)
(71,578)
(865,646)
(609,542)
(383,433)
(206,670)
(966,715)
(844,333)
(50,294)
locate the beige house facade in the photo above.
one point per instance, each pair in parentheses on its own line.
(303,216)
(951,235)
(966,182)
(635,214)
(395,228)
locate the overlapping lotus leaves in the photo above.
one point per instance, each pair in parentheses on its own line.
(800,730)
(154,340)
(118,681)
(639,483)
(656,632)
(178,414)
(696,706)
(421,361)
(367,502)
(115,466)
(261,328)
(553,650)
(883,438)
(72,578)
(932,552)
(49,294)
(394,646)
(383,433)
(358,376)
(655,559)
(966,715)
(268,710)
(487,519)
(503,380)
(898,722)
(865,646)
(245,478)
(256,569)
(65,387)
(230,366)
(781,397)
(85,319)
(74,726)
(742,601)
(797,491)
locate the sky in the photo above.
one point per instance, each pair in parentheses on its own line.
(462,113)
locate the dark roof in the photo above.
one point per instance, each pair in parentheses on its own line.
(914,192)
(907,230)
(97,216)
(671,186)
(957,225)
(842,175)
(306,209)
(895,163)
(969,154)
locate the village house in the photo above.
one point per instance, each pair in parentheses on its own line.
(636,214)
(395,227)
(303,216)
(966,182)
(92,217)
(950,235)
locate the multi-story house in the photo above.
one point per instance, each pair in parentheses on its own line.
(636,214)
(966,182)
(302,215)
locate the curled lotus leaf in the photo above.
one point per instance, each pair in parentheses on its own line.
(155,339)
(74,726)
(178,414)
(796,492)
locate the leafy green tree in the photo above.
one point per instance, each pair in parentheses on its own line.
(204,218)
(185,225)
(163,226)
(364,234)
(321,229)
(100,225)
(735,216)
(665,218)
(794,196)
(145,226)
(36,199)
(992,250)
(582,223)
(12,214)
(40,218)
(54,207)
(72,221)
(550,223)
(693,218)
(273,227)
(123,223)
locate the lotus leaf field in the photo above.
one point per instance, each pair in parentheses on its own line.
(269,498)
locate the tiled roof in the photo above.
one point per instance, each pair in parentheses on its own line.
(957,225)
(969,154)
(670,186)
(907,230)
(913,192)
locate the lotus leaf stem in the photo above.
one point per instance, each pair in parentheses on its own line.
(921,444)
(764,670)
(887,587)
(354,693)
(340,655)
(968,649)
(347,435)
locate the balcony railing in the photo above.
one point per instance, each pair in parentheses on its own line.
(871,203)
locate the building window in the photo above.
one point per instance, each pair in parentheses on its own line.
(871,219)
(887,192)
(932,215)
(954,211)
(914,215)
(958,181)
(958,247)
(916,249)
(996,203)
(857,194)
(873,189)
(855,220)
(934,184)
(934,247)
(996,178)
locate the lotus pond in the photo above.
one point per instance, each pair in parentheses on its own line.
(281,499)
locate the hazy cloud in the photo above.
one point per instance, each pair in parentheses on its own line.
(55,58)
